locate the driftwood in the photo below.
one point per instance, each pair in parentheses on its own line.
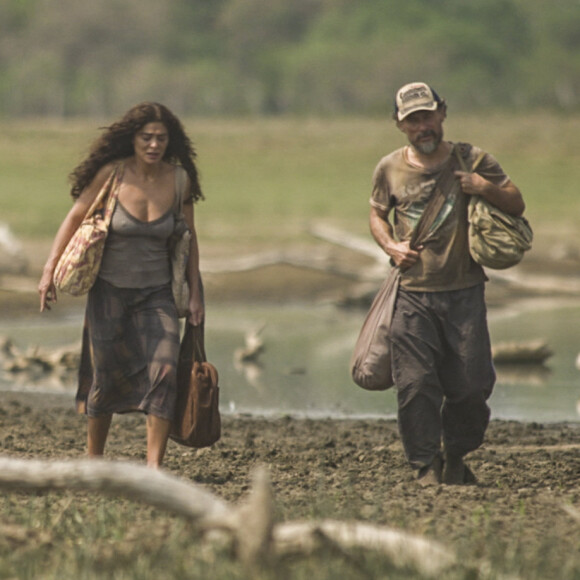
(115,478)
(39,364)
(350,241)
(375,272)
(256,537)
(401,549)
(313,259)
(253,348)
(573,512)
(534,352)
(563,285)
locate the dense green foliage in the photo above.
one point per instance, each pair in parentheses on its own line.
(65,58)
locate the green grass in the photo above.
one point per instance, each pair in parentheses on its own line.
(265,180)
(81,536)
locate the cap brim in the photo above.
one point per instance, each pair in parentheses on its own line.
(403,114)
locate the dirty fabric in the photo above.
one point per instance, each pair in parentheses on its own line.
(443,371)
(129,353)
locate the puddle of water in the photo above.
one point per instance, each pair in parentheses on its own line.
(553,392)
(304,367)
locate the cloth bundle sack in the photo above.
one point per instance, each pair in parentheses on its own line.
(78,266)
(197,421)
(497,240)
(370,365)
(179,250)
(371,361)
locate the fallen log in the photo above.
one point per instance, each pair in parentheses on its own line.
(515,277)
(521,352)
(315,259)
(116,478)
(403,550)
(573,512)
(350,241)
(251,526)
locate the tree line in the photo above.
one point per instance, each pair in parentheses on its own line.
(65,58)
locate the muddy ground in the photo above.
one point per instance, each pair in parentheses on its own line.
(528,476)
(526,501)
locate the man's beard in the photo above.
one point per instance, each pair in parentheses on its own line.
(429,147)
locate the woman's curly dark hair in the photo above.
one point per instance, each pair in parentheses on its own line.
(116,143)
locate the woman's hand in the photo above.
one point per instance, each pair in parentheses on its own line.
(47,291)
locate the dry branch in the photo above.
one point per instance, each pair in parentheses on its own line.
(568,285)
(319,259)
(113,478)
(350,241)
(313,259)
(572,512)
(251,525)
(402,549)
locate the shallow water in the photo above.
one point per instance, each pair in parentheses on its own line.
(303,369)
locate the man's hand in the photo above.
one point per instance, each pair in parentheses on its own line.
(473,183)
(507,197)
(404,256)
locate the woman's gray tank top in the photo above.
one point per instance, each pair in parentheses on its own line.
(136,253)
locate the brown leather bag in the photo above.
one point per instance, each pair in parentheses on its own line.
(197,421)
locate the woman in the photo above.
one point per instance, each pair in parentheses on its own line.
(131,338)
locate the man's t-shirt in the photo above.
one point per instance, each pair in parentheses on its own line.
(445,262)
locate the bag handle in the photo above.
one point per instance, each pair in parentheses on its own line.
(193,339)
(108,187)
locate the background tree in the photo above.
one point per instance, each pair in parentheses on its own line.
(205,57)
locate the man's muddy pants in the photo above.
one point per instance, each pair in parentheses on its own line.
(443,371)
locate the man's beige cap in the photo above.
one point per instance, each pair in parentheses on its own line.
(415,97)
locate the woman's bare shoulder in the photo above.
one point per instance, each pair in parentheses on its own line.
(99,180)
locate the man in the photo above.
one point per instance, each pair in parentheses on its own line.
(441,354)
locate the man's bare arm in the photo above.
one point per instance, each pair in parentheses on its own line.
(382,231)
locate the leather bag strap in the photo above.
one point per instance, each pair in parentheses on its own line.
(199,344)
(193,342)
(180,182)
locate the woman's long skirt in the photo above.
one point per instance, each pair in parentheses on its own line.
(129,352)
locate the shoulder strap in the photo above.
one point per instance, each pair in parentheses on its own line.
(473,199)
(107,196)
(435,203)
(462,161)
(180,182)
